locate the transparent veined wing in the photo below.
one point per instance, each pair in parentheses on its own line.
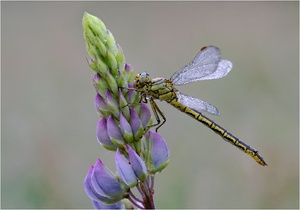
(206,65)
(196,104)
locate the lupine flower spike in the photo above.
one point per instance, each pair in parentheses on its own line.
(123,128)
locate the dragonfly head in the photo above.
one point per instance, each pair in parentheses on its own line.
(141,79)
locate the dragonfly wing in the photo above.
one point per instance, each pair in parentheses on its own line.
(206,65)
(197,104)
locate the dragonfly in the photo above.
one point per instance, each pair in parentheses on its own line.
(206,65)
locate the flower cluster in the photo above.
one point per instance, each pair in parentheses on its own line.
(123,127)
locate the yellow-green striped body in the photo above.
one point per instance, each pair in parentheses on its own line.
(163,89)
(220,131)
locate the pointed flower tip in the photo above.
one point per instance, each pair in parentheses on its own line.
(86,14)
(137,164)
(88,185)
(101,106)
(136,124)
(102,135)
(112,81)
(122,98)
(94,32)
(125,170)
(95,78)
(91,19)
(91,192)
(104,182)
(100,84)
(145,115)
(128,67)
(114,132)
(109,96)
(87,177)
(99,101)
(125,129)
(112,104)
(160,153)
(84,18)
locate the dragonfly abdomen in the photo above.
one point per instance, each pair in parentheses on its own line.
(219,130)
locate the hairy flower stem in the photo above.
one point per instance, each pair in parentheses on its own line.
(148,195)
(135,202)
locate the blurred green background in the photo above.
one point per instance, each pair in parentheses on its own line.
(48,116)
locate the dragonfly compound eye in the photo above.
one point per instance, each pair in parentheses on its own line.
(144,77)
(141,79)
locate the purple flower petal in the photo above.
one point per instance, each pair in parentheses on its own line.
(145,115)
(129,73)
(112,104)
(101,106)
(125,170)
(128,67)
(99,102)
(90,191)
(102,135)
(137,164)
(136,125)
(104,182)
(114,133)
(125,129)
(159,152)
(100,205)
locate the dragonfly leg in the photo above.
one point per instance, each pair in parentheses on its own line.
(157,112)
(142,99)
(126,88)
(131,105)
